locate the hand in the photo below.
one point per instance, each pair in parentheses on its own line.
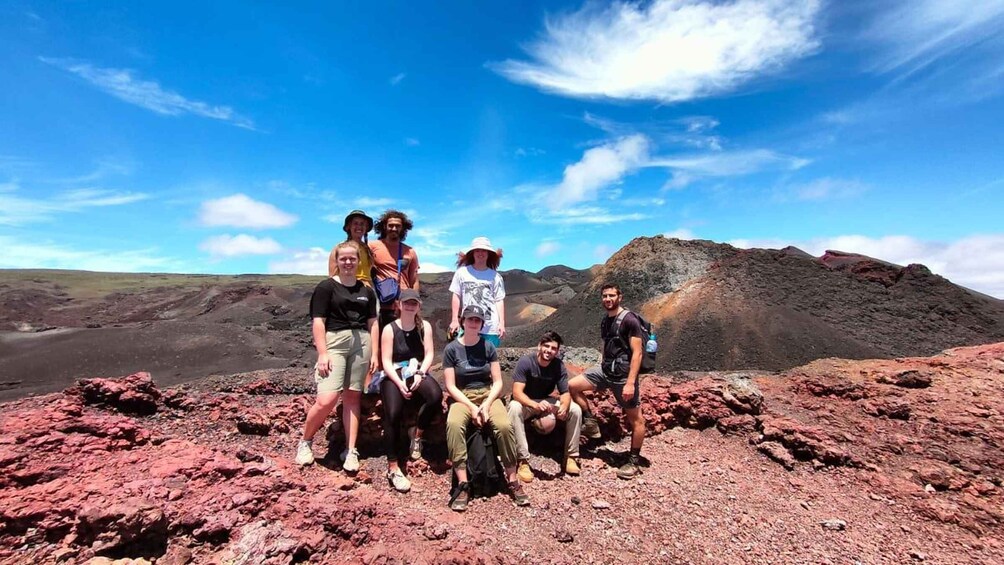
(544,407)
(501,331)
(454,326)
(404,391)
(628,392)
(561,414)
(475,415)
(483,413)
(323,365)
(374,364)
(416,380)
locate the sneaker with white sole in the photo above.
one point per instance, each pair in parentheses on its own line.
(351,461)
(304,453)
(524,472)
(398,480)
(415,445)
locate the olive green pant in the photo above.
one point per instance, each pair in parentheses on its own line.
(458,419)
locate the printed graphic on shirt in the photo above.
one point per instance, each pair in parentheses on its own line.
(480,288)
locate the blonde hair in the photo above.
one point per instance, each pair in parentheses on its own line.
(333,256)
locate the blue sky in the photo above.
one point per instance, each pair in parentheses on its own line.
(233,138)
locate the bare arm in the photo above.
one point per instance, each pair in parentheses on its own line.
(413,270)
(636,353)
(387,354)
(323,363)
(454,311)
(500,307)
(375,341)
(427,342)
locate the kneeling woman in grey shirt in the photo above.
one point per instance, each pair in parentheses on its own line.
(473,380)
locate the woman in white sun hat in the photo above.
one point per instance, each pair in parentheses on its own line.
(477,282)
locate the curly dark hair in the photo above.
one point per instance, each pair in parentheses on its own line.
(381,225)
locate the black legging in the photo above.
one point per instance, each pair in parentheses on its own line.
(428,393)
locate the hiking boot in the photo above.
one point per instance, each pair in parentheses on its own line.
(351,464)
(304,453)
(591,428)
(525,473)
(630,469)
(415,446)
(572,466)
(461,495)
(398,480)
(518,496)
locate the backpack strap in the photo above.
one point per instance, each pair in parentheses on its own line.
(618,320)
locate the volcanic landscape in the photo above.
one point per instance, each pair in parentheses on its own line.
(834,409)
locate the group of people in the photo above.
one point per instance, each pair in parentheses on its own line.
(369,335)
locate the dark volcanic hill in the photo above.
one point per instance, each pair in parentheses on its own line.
(718,307)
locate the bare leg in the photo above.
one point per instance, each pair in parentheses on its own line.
(637,424)
(323,405)
(578,385)
(350,414)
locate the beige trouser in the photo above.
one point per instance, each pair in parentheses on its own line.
(573,427)
(349,352)
(458,419)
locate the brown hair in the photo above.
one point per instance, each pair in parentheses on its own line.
(381,225)
(494,258)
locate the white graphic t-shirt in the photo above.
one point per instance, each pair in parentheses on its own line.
(481,288)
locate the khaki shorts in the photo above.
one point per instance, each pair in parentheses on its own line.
(349,352)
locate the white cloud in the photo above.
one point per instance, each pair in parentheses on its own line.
(221,246)
(529,152)
(547,248)
(599,167)
(18,210)
(921,32)
(396,79)
(665,50)
(976,262)
(48,255)
(826,188)
(240,211)
(367,202)
(602,252)
(412,142)
(313,261)
(426,267)
(680,233)
(583,215)
(148,94)
(606,165)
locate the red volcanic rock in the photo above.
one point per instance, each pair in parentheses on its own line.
(135,394)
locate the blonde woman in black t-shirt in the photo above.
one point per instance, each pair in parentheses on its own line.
(406,353)
(344,325)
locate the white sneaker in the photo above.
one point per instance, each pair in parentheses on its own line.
(398,480)
(415,445)
(351,461)
(304,453)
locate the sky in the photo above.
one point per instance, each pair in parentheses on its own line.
(234,137)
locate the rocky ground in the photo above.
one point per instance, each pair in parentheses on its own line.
(891,461)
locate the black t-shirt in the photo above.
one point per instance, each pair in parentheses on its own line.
(472,365)
(540,381)
(407,345)
(343,307)
(614,348)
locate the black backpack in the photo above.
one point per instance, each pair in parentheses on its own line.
(485,475)
(648,351)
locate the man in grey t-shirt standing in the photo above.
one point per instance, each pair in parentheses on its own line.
(534,380)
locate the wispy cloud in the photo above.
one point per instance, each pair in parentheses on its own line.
(396,79)
(665,50)
(313,261)
(547,247)
(694,132)
(598,168)
(412,142)
(19,210)
(241,211)
(976,262)
(225,246)
(680,233)
(368,202)
(19,254)
(606,165)
(921,32)
(583,215)
(826,188)
(122,84)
